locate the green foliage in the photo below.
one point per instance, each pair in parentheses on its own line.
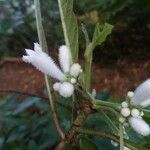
(70,27)
(27,124)
(100,34)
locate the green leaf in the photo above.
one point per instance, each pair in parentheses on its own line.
(25,104)
(87,144)
(70,26)
(101,32)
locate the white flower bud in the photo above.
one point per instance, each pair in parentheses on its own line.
(56,86)
(122,120)
(43,62)
(142,114)
(142,94)
(125,112)
(75,70)
(124,104)
(130,94)
(66,89)
(139,125)
(73,80)
(65,58)
(135,112)
(115,144)
(126,148)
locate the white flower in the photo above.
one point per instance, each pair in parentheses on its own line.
(122,120)
(115,144)
(75,70)
(145,103)
(43,62)
(135,113)
(65,58)
(56,86)
(142,94)
(124,104)
(125,112)
(126,148)
(139,125)
(66,89)
(130,94)
(73,80)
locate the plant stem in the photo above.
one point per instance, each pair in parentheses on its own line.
(87,68)
(63,24)
(121,138)
(43,43)
(107,135)
(79,121)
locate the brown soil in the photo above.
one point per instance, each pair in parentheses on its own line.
(117,78)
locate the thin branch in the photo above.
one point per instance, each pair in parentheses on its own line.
(43,43)
(106,135)
(121,137)
(34,95)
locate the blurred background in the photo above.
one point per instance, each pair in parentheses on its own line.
(120,64)
(122,61)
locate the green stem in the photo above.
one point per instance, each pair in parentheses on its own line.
(121,138)
(107,135)
(43,44)
(63,24)
(87,68)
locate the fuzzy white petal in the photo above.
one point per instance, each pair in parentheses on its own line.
(145,103)
(139,125)
(142,93)
(65,58)
(75,70)
(44,63)
(66,89)
(37,48)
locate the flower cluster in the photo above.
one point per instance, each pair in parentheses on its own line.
(130,109)
(67,76)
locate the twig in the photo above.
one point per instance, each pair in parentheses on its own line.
(79,121)
(43,43)
(33,95)
(106,135)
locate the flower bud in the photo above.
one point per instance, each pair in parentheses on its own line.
(66,89)
(125,112)
(75,70)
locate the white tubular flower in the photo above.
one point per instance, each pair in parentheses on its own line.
(65,58)
(56,86)
(145,103)
(66,89)
(43,62)
(139,125)
(75,70)
(142,94)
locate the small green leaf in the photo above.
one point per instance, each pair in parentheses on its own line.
(101,32)
(70,26)
(25,104)
(87,144)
